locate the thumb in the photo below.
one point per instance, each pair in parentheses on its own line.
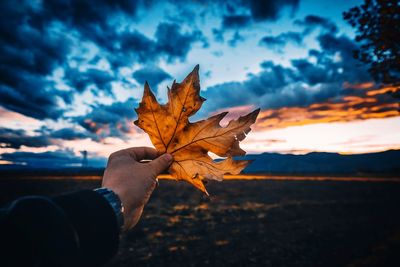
(161,163)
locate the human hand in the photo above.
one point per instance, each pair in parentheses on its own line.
(132,180)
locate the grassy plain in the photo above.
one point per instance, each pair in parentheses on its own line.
(253,222)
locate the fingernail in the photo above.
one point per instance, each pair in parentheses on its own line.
(168,157)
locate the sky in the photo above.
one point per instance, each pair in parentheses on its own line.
(72,73)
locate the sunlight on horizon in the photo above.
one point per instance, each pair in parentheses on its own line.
(354,137)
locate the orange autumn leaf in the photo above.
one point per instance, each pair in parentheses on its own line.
(171,132)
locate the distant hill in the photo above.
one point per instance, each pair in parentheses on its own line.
(385,163)
(381,164)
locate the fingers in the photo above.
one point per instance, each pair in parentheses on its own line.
(139,153)
(161,163)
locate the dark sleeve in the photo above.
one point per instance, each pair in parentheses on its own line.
(77,229)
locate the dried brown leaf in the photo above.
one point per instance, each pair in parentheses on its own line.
(171,132)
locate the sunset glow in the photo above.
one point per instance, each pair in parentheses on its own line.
(368,104)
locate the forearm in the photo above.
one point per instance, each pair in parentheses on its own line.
(73,229)
(95,223)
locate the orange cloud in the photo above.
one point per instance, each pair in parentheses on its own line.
(366,102)
(384,90)
(367,85)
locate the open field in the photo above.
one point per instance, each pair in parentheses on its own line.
(254,223)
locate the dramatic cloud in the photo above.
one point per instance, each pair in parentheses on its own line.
(90,18)
(15,138)
(311,22)
(242,14)
(10,138)
(238,13)
(269,10)
(82,80)
(235,21)
(152,74)
(69,69)
(313,74)
(302,84)
(367,102)
(27,55)
(175,44)
(36,38)
(278,42)
(169,42)
(115,120)
(67,134)
(33,42)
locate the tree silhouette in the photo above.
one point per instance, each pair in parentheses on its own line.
(377,24)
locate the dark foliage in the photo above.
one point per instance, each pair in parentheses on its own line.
(377,24)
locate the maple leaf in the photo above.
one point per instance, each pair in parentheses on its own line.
(171,132)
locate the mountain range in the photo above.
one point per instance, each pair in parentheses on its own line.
(387,162)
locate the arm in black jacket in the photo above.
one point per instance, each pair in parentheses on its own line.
(77,229)
(82,228)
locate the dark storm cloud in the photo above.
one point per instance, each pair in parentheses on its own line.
(89,17)
(279,41)
(235,21)
(27,55)
(302,84)
(339,50)
(152,74)
(311,22)
(331,44)
(51,159)
(241,14)
(11,138)
(313,73)
(258,10)
(274,85)
(115,120)
(37,37)
(136,45)
(270,10)
(174,44)
(32,98)
(68,134)
(81,80)
(169,42)
(32,45)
